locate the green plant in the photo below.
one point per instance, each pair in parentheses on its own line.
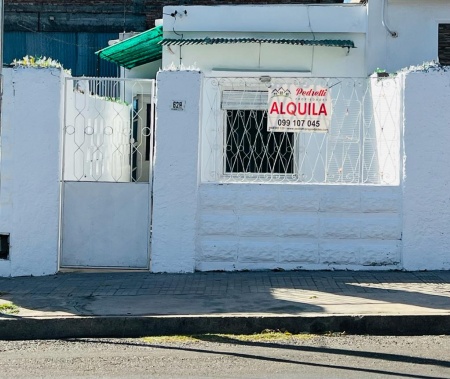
(9,308)
(266,335)
(38,62)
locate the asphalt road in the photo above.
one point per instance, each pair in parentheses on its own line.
(226,357)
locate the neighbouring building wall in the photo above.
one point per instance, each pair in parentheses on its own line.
(74,50)
(426,194)
(81,15)
(416,23)
(30,168)
(92,15)
(308,22)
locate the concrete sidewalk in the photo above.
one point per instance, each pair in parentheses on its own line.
(131,304)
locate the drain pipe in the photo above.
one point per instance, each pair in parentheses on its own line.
(383,7)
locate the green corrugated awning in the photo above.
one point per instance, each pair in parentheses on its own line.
(135,51)
(280,41)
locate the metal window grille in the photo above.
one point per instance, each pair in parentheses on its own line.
(251,148)
(361,146)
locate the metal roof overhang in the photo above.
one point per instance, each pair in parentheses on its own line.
(280,41)
(135,51)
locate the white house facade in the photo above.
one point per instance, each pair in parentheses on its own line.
(300,199)
(272,138)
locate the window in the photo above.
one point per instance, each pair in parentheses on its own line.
(250,148)
(444,44)
(4,246)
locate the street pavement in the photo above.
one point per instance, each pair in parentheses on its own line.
(132,304)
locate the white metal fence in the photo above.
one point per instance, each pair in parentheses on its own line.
(360,143)
(108,129)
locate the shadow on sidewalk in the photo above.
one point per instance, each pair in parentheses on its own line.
(402,289)
(141,294)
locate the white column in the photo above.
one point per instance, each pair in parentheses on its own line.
(176,172)
(426,187)
(30,167)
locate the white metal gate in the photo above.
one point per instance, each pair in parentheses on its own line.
(106,186)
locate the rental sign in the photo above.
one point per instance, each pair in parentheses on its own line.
(294,109)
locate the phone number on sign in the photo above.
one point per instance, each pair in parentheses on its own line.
(299,123)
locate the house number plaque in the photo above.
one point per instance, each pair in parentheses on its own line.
(178,105)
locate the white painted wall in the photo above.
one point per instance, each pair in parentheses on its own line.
(145,71)
(176,172)
(426,196)
(298,227)
(416,23)
(30,167)
(279,18)
(268,21)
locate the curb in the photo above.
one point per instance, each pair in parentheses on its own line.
(138,326)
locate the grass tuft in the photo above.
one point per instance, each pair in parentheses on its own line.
(9,308)
(265,336)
